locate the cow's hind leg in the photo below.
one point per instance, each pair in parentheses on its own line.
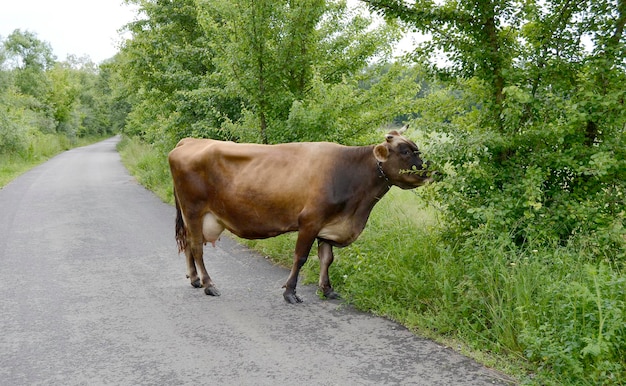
(326,256)
(197,251)
(192,273)
(183,246)
(212,228)
(194,252)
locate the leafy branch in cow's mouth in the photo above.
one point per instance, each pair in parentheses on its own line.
(420,172)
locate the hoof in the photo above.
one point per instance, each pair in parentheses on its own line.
(196,284)
(332,295)
(292,298)
(212,291)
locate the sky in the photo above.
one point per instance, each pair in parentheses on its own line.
(81,27)
(71,27)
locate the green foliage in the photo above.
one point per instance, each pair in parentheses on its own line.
(45,106)
(540,184)
(543,203)
(235,70)
(584,337)
(12,136)
(149,165)
(533,147)
(28,51)
(30,58)
(266,48)
(167,77)
(346,112)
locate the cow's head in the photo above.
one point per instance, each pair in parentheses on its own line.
(399,161)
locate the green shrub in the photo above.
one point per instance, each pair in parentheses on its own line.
(12,138)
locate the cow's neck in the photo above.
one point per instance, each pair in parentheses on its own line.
(381,174)
(383,185)
(373,183)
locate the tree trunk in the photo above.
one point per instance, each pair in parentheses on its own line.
(495,63)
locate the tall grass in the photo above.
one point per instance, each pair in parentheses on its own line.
(547,315)
(148,165)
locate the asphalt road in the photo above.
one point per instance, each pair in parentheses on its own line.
(93,292)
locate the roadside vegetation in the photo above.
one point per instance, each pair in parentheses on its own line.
(516,255)
(47,106)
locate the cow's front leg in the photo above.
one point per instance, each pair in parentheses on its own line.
(326,256)
(303,247)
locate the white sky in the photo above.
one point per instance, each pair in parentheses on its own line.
(81,27)
(71,27)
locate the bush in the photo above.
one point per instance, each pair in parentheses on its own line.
(12,138)
(539,183)
(533,219)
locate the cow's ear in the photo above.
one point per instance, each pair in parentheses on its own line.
(381,153)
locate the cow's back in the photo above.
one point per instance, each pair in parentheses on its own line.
(279,169)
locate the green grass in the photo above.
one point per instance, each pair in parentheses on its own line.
(546,316)
(148,165)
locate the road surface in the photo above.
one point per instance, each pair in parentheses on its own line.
(93,292)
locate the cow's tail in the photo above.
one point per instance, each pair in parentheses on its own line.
(181,230)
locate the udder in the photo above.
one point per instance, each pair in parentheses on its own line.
(212,228)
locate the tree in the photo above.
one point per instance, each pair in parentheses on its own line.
(168,69)
(30,57)
(528,128)
(268,49)
(112,96)
(476,35)
(272,52)
(42,95)
(229,70)
(62,98)
(28,51)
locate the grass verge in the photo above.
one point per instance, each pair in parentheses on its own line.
(148,165)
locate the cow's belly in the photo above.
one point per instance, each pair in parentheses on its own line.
(342,232)
(247,227)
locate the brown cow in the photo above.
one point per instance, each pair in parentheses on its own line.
(324,191)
